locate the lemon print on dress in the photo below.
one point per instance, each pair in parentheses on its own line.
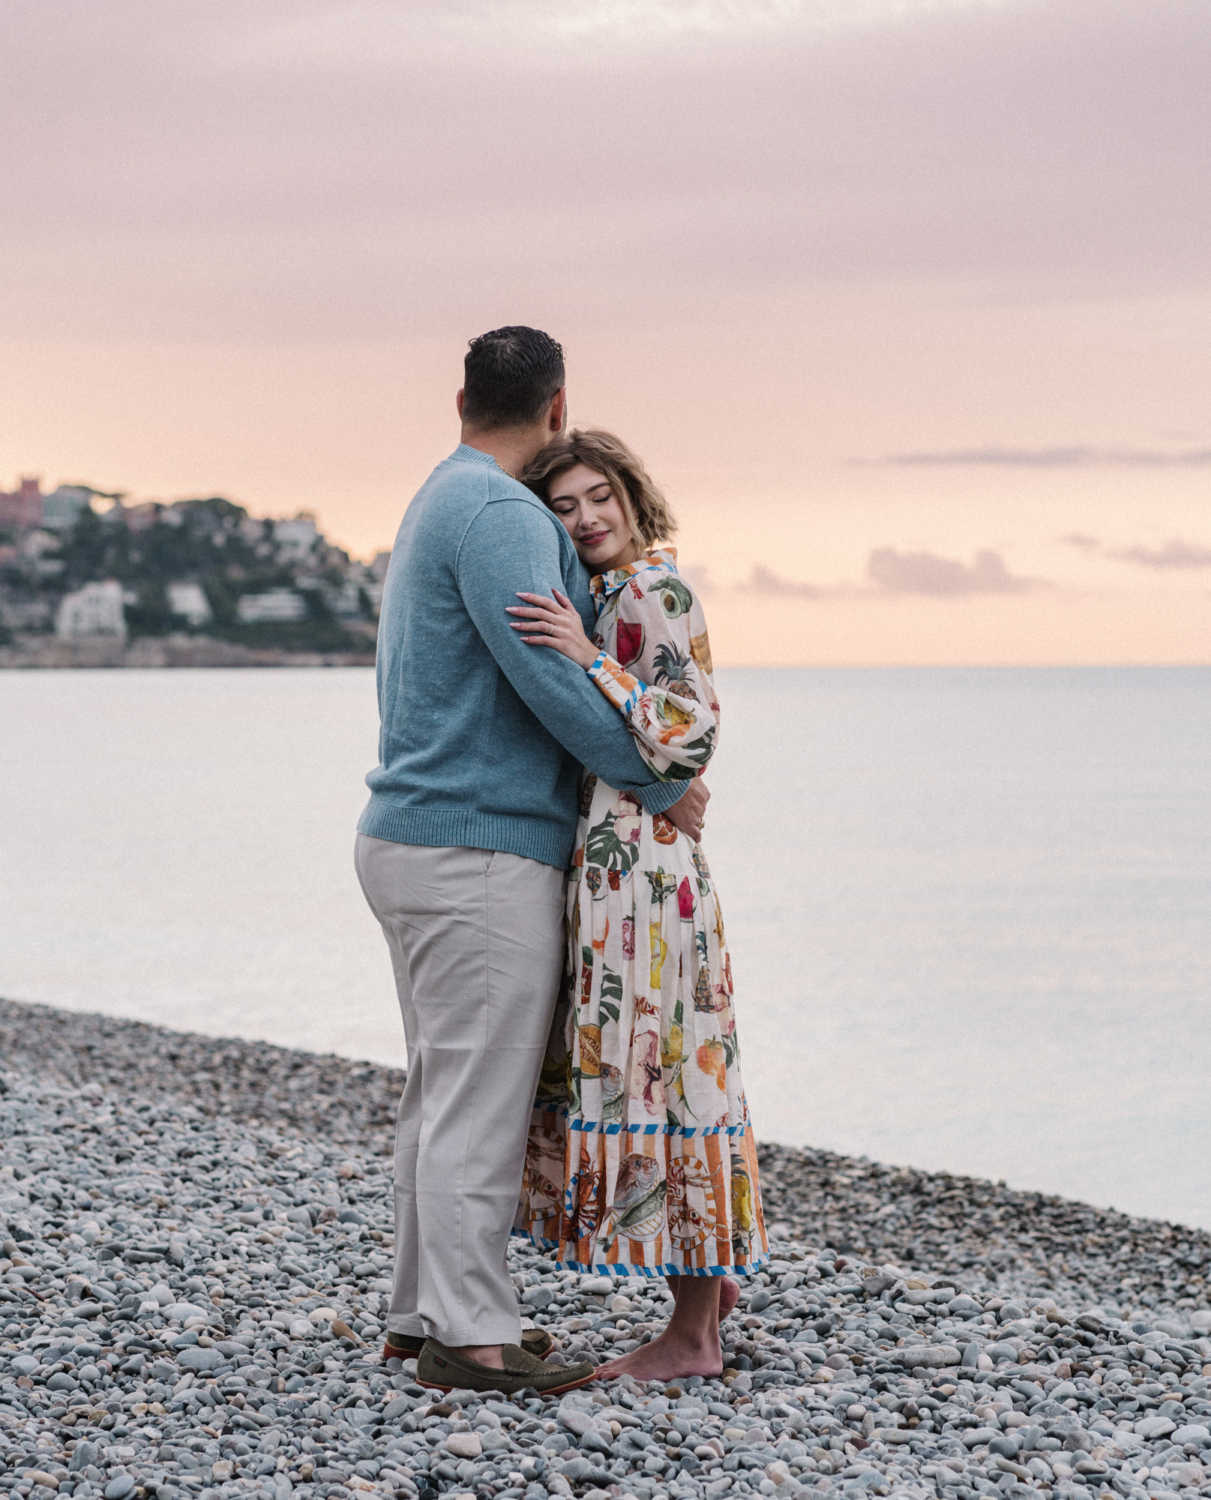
(673,1048)
(743,1218)
(660,951)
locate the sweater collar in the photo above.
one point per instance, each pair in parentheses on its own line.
(464,453)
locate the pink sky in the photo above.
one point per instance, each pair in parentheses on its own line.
(906,301)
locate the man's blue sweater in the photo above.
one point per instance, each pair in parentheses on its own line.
(482,737)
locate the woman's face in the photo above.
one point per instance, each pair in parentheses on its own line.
(592,514)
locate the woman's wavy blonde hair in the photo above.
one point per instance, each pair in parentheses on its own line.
(648,513)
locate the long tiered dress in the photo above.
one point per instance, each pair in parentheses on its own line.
(641,1158)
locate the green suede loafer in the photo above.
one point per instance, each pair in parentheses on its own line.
(441,1369)
(535,1341)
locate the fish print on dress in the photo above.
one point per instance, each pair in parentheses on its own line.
(641,1158)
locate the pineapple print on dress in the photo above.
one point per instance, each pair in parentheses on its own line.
(660,1164)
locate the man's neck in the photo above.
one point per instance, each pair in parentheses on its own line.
(511,447)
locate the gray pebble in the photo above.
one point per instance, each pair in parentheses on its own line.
(201,1359)
(189,1258)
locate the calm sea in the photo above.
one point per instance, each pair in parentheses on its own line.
(970,910)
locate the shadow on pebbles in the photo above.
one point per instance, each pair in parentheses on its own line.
(195,1255)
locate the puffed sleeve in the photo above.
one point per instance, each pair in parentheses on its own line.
(664,692)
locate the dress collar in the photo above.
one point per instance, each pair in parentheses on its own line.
(603,585)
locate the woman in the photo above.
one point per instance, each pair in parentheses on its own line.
(641,1159)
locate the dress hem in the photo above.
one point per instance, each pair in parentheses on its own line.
(750,1268)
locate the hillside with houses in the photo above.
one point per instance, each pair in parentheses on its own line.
(86,577)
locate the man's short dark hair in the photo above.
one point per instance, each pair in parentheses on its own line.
(511,375)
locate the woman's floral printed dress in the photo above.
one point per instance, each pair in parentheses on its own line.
(641,1159)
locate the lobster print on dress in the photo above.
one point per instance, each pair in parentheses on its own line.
(641,1158)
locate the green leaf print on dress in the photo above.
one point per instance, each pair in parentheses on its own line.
(697,751)
(609,1002)
(613,843)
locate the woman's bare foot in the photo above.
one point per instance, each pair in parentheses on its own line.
(668,1357)
(690,1343)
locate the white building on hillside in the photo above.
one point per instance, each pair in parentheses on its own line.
(346,602)
(96,609)
(62,508)
(296,538)
(273,607)
(188,600)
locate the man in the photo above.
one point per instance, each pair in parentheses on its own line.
(462,850)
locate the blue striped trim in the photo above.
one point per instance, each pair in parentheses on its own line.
(649,1272)
(595,1126)
(633,696)
(590,1127)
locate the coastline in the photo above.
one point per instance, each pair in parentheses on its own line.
(43,654)
(195,1247)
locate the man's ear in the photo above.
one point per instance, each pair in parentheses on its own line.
(458,402)
(559,410)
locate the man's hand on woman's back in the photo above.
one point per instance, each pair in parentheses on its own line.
(688,812)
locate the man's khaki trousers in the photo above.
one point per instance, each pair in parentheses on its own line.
(476,941)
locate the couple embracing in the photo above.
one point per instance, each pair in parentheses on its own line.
(531,851)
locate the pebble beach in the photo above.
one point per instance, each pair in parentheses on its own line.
(195,1252)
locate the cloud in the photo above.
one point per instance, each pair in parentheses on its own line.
(319,169)
(942,577)
(1174,554)
(1059,458)
(765,581)
(892,572)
